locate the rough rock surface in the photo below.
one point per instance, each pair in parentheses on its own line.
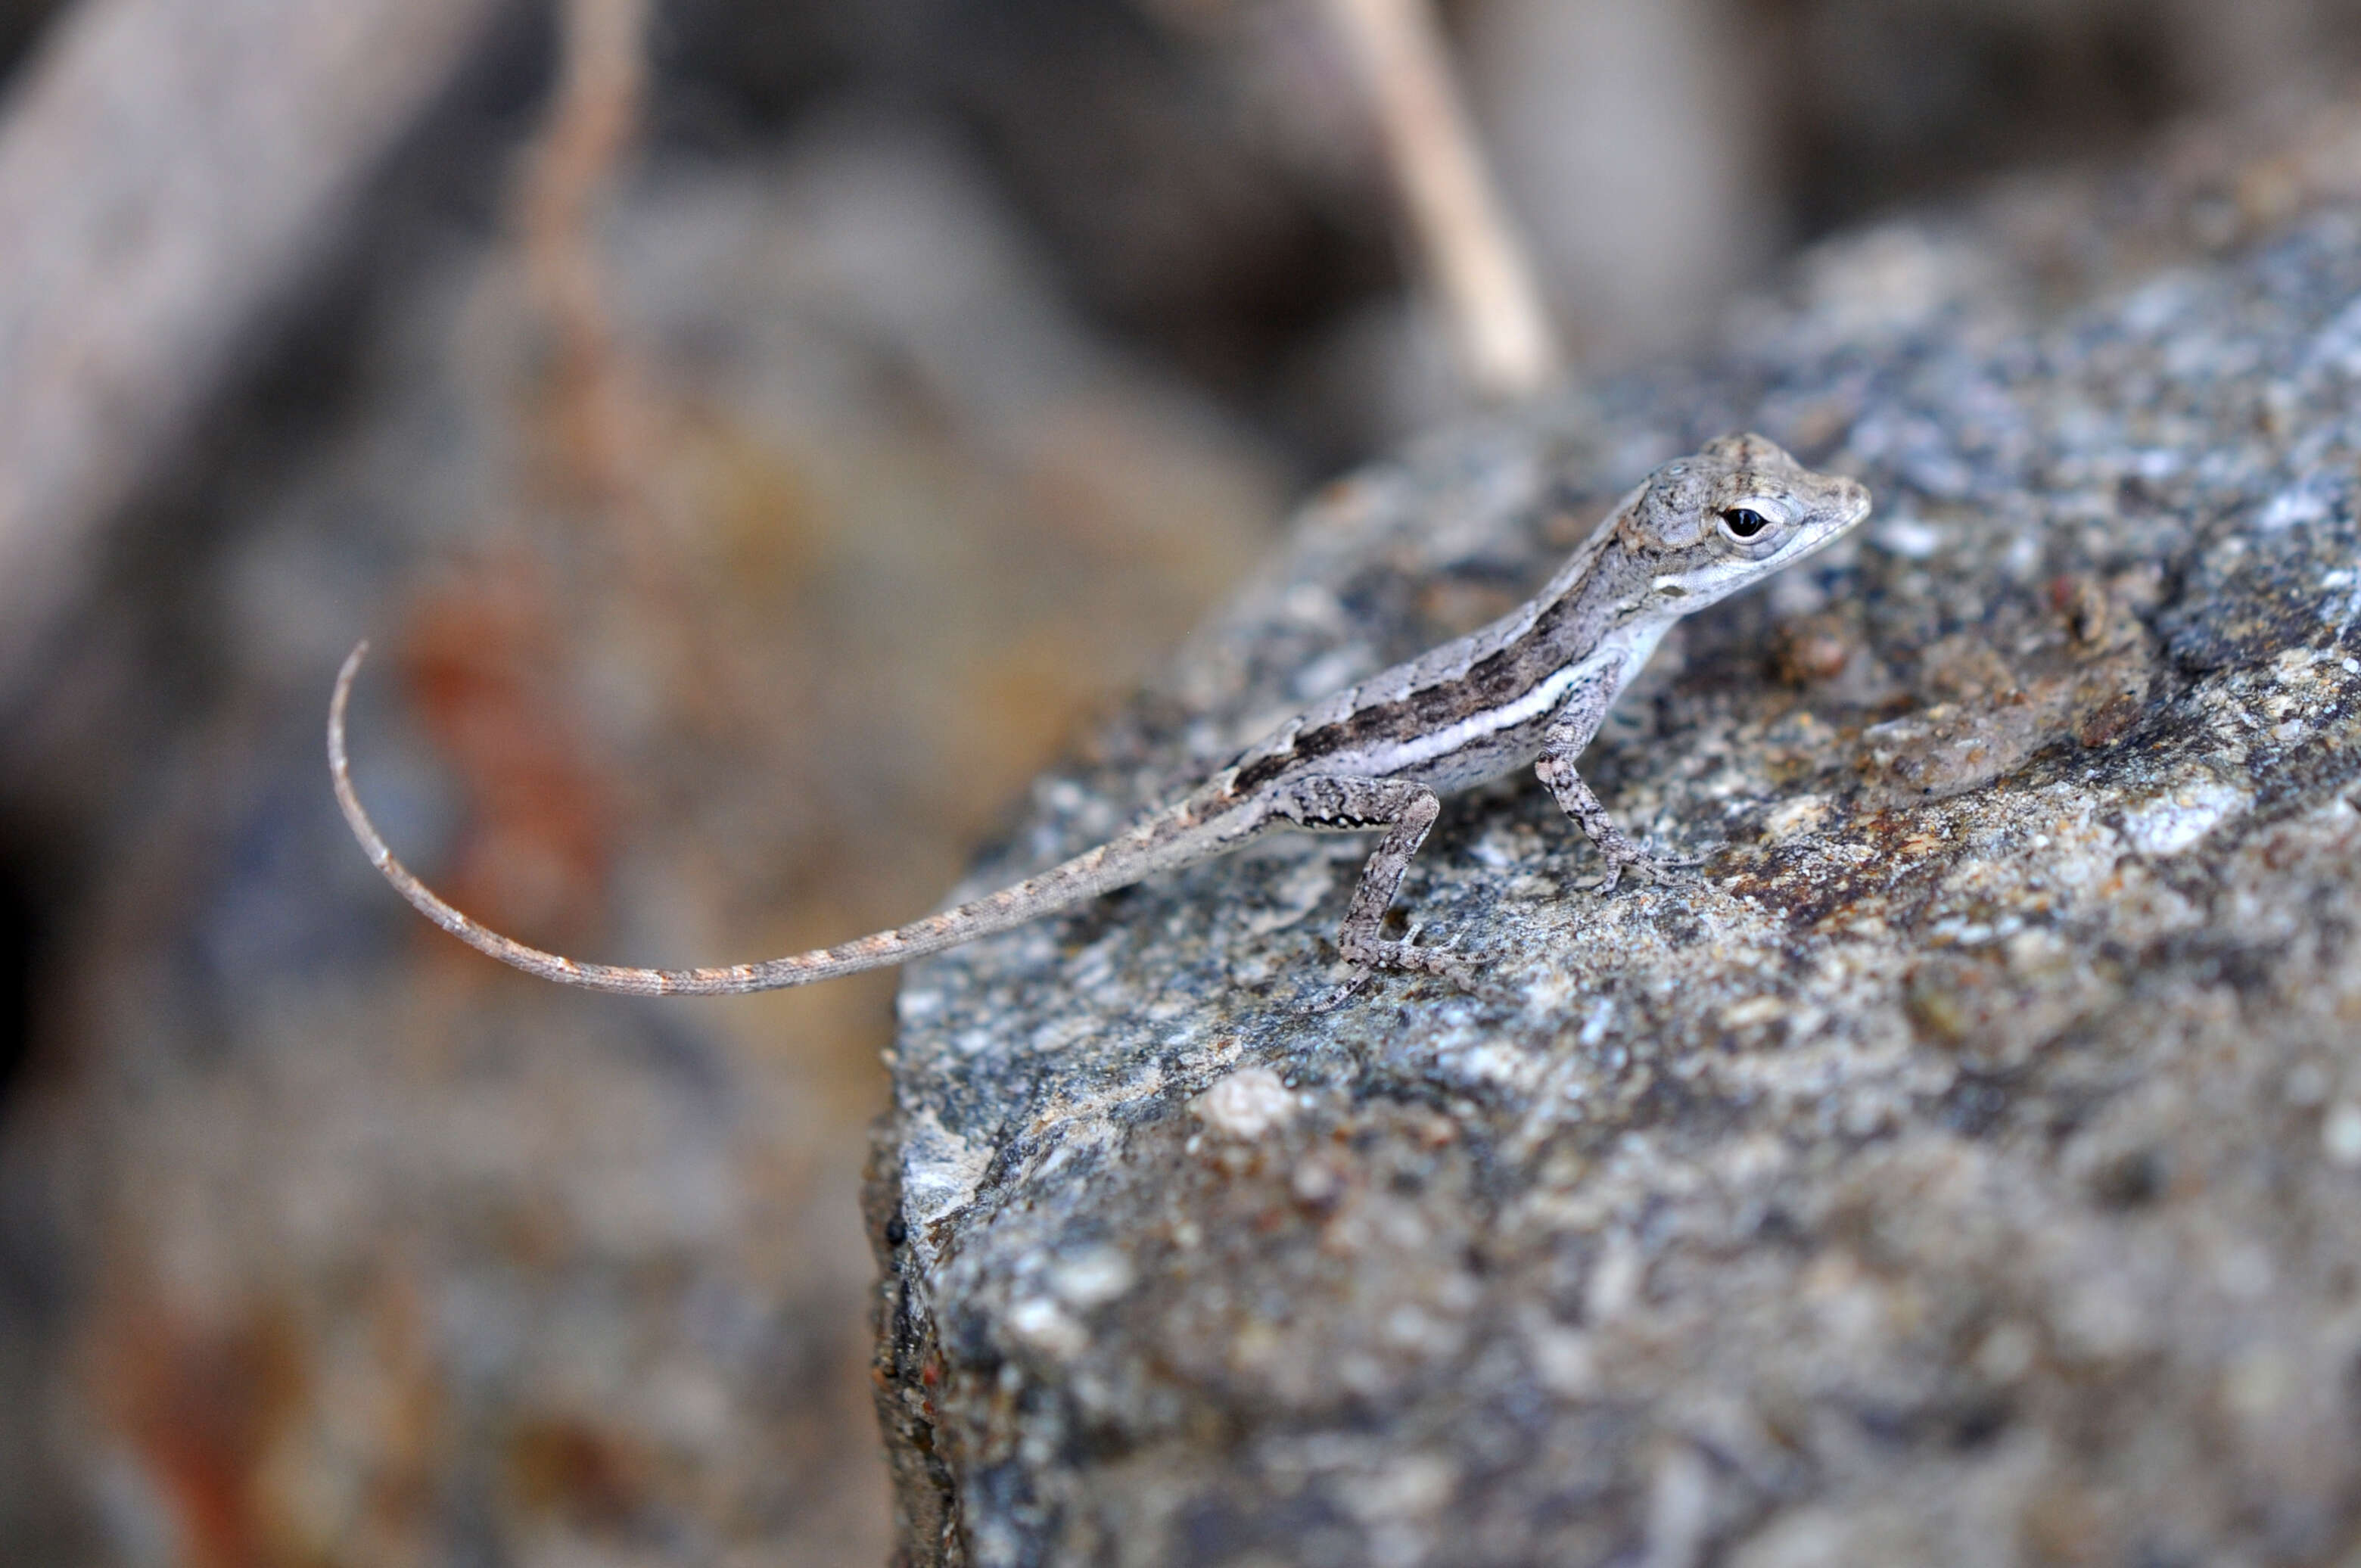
(1964,1168)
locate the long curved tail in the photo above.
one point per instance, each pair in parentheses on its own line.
(1116,864)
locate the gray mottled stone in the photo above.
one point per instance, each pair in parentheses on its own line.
(1965,1169)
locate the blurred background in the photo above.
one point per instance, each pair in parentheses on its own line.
(757,438)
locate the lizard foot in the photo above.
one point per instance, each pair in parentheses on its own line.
(1439,961)
(1631,855)
(1337,996)
(1368,958)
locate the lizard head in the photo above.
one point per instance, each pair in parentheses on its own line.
(1740,508)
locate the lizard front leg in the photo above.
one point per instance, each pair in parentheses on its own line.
(1327,804)
(1577,720)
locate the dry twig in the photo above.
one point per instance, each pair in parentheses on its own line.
(1499,325)
(593,118)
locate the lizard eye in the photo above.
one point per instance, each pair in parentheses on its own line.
(1743,522)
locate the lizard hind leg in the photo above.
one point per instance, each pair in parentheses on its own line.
(1332,803)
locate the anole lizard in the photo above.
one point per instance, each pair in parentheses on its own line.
(1534,686)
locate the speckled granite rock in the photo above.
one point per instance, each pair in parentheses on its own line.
(1966,1169)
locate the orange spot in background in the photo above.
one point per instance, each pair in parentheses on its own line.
(568,1466)
(201,1407)
(532,857)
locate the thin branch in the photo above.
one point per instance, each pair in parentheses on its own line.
(1499,326)
(593,118)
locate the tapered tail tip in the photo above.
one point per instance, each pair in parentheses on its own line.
(336,704)
(352,667)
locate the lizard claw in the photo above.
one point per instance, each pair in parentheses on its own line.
(1442,961)
(1662,869)
(1336,996)
(1445,962)
(1674,868)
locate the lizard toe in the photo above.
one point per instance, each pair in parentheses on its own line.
(1664,869)
(1337,995)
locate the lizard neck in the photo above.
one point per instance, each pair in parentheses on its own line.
(1596,609)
